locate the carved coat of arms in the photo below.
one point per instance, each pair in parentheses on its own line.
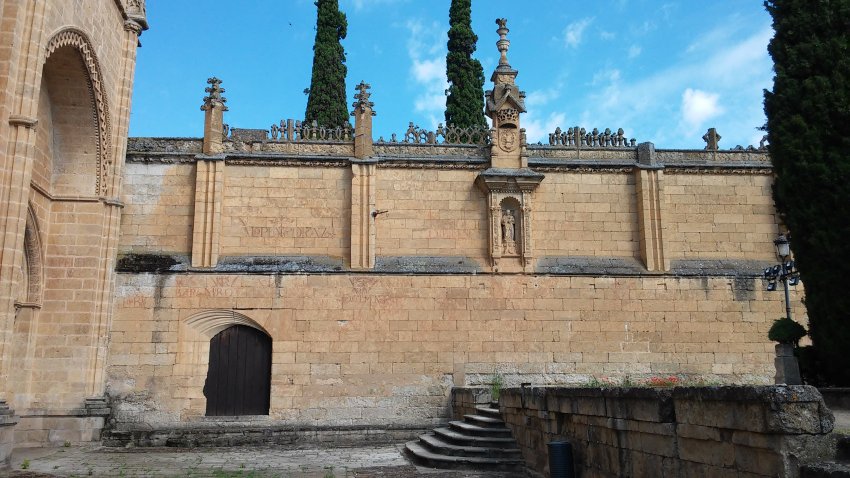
(507,141)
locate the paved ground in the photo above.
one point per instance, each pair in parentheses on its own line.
(243,462)
(842,420)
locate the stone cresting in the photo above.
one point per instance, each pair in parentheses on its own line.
(292,131)
(577,137)
(78,40)
(669,432)
(444,135)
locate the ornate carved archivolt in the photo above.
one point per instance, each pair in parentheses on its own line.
(78,40)
(34,262)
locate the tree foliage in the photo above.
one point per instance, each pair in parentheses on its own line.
(465,102)
(808,125)
(327,99)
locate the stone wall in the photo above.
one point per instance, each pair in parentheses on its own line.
(264,234)
(373,349)
(271,204)
(662,432)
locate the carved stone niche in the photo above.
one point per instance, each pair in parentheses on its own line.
(509,199)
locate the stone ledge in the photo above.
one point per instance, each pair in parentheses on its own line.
(589,266)
(214,435)
(427,265)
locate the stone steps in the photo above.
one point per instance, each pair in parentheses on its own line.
(455,437)
(475,430)
(838,468)
(481,441)
(828,469)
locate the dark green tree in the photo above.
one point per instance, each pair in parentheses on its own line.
(327,99)
(465,102)
(808,126)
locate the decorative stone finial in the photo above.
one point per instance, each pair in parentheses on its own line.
(712,140)
(214,107)
(215,98)
(136,16)
(362,97)
(503,44)
(363,114)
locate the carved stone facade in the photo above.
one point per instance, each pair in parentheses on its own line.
(65,89)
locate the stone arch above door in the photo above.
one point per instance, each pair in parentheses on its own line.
(208,323)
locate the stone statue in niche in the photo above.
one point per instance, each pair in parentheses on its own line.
(508,232)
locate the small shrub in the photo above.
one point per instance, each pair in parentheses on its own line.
(496,383)
(25,464)
(786,331)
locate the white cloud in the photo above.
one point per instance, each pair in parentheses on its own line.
(426,48)
(575,31)
(537,130)
(541,97)
(609,76)
(699,106)
(634,51)
(735,70)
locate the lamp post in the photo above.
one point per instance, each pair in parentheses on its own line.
(787,369)
(784,272)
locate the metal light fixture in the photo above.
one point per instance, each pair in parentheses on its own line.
(783,247)
(784,272)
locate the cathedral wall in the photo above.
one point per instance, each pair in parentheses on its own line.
(67,80)
(385,349)
(158,208)
(586,214)
(720,216)
(286,211)
(430,212)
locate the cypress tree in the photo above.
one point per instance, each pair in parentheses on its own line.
(465,102)
(327,100)
(808,126)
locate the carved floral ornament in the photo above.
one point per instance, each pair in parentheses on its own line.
(508,115)
(79,41)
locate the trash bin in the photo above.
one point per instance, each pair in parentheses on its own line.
(560,460)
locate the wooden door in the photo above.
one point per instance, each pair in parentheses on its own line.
(239,375)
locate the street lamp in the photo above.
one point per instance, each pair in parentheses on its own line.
(784,272)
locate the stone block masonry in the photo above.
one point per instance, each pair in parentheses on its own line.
(702,431)
(378,349)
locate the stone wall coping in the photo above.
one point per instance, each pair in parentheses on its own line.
(152,148)
(572,266)
(727,393)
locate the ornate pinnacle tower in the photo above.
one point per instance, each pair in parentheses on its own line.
(505,103)
(508,183)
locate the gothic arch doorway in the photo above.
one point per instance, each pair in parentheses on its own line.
(239,375)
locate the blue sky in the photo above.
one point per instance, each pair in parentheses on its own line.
(664,71)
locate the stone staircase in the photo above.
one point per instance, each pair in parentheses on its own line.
(481,442)
(838,468)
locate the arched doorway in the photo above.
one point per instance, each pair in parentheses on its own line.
(239,375)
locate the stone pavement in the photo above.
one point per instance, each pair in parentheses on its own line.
(842,420)
(243,462)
